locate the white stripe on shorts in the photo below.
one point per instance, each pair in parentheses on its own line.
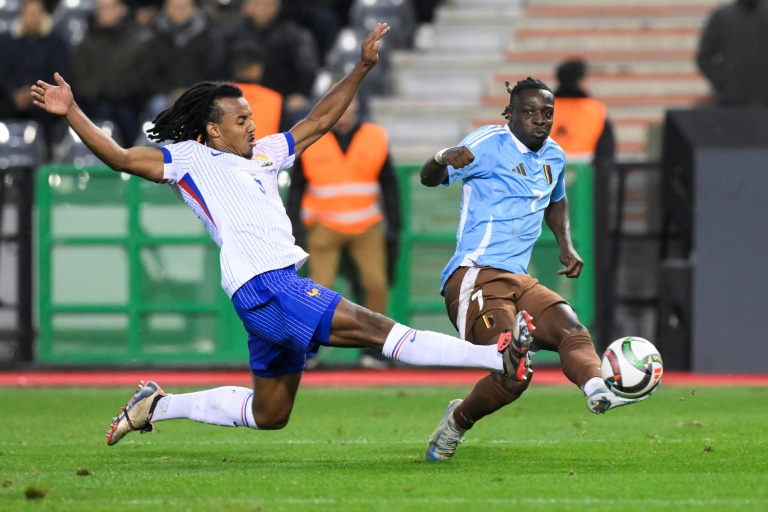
(465,295)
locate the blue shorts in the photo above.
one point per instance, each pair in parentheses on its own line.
(287,317)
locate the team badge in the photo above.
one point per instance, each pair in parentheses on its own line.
(263,160)
(548,173)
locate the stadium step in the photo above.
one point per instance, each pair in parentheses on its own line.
(641,55)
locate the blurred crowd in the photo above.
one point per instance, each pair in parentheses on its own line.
(127,60)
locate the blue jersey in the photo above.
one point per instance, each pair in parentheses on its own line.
(505,192)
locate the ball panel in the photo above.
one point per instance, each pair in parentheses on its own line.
(631,367)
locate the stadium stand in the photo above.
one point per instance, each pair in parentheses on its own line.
(70,18)
(22,144)
(69,149)
(9,9)
(641,53)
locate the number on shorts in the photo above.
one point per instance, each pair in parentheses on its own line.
(478,295)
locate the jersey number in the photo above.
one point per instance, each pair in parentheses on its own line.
(533,203)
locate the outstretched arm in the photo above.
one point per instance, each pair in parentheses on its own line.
(559,221)
(329,109)
(434,172)
(146,163)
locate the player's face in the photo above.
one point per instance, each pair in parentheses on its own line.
(532,116)
(234,132)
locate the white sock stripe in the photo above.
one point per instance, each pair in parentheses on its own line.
(401,342)
(244,409)
(395,336)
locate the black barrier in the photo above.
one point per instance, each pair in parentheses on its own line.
(714,186)
(16,279)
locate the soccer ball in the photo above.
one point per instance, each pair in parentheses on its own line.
(632,367)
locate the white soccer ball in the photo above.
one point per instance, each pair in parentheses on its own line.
(632,367)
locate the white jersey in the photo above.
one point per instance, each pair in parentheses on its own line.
(238,201)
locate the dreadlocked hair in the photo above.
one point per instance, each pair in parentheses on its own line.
(521,85)
(187,118)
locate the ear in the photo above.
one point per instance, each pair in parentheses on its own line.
(212,129)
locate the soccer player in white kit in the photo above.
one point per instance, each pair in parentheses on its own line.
(228,179)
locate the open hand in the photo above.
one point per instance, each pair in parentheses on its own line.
(56,99)
(372,43)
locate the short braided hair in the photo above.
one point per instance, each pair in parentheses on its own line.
(187,118)
(522,85)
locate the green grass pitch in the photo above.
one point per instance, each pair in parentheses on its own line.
(362,449)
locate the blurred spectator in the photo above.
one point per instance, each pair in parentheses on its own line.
(31,50)
(732,52)
(292,60)
(144,14)
(323,17)
(425,10)
(581,126)
(334,202)
(179,53)
(107,68)
(266,104)
(398,14)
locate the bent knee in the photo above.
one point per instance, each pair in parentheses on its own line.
(511,388)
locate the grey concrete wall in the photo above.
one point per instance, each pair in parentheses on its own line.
(730,261)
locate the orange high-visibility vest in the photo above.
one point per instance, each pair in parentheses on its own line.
(577,127)
(267,107)
(343,188)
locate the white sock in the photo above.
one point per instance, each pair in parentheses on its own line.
(228,406)
(427,348)
(593,384)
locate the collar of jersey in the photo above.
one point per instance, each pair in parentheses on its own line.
(522,148)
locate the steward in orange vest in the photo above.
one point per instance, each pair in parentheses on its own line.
(581,126)
(341,189)
(346,183)
(343,184)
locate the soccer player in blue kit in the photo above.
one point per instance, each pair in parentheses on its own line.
(513,176)
(229,180)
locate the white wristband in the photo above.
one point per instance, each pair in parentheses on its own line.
(439,156)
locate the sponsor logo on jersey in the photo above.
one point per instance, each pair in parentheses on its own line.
(314,293)
(217,153)
(520,169)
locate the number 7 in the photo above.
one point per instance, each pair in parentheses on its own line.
(533,203)
(478,295)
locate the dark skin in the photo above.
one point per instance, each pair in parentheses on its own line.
(530,120)
(352,325)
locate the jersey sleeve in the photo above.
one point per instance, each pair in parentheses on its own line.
(171,171)
(558,157)
(559,191)
(278,149)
